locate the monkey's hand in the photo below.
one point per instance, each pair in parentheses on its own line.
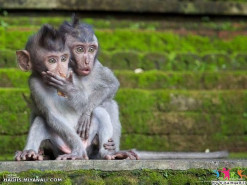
(73,156)
(65,85)
(28,155)
(83,125)
(123,155)
(110,145)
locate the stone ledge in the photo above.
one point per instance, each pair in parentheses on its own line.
(13,166)
(155,6)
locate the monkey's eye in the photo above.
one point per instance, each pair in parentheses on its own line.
(52,60)
(91,49)
(64,58)
(79,49)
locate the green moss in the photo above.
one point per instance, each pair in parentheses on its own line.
(187,61)
(6,157)
(239,61)
(121,180)
(153,177)
(148,117)
(144,176)
(13,78)
(171,61)
(138,40)
(182,179)
(125,60)
(154,60)
(10,144)
(7,58)
(105,58)
(151,79)
(239,155)
(145,142)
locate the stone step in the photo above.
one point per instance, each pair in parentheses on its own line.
(153,120)
(15,38)
(174,61)
(121,165)
(156,123)
(15,78)
(200,26)
(137,101)
(153,142)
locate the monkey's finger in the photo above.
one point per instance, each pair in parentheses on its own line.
(130,156)
(109,144)
(23,155)
(109,147)
(54,80)
(108,157)
(85,157)
(83,131)
(31,153)
(87,130)
(18,155)
(78,127)
(134,154)
(43,73)
(55,76)
(121,155)
(54,85)
(40,158)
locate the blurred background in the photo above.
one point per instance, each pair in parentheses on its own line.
(181,65)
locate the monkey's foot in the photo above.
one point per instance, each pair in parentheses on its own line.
(71,157)
(28,155)
(123,155)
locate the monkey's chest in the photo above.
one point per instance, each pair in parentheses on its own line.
(66,112)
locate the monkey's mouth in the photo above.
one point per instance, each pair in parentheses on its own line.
(84,71)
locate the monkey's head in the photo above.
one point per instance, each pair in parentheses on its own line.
(45,51)
(83,46)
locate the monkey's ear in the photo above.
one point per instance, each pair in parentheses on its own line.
(23,60)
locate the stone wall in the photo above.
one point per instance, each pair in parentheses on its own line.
(140,6)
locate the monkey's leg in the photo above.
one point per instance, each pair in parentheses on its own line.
(37,133)
(101,124)
(112,109)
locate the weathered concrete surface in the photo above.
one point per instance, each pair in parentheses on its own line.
(13,166)
(164,6)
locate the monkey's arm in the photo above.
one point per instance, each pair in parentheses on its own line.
(76,97)
(105,86)
(43,99)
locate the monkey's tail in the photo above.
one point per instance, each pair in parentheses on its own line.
(148,155)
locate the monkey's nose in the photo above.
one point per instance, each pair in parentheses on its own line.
(62,74)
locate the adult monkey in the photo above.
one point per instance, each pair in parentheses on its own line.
(99,82)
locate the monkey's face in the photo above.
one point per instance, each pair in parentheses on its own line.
(57,62)
(84,55)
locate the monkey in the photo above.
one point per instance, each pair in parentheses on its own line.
(52,115)
(100,84)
